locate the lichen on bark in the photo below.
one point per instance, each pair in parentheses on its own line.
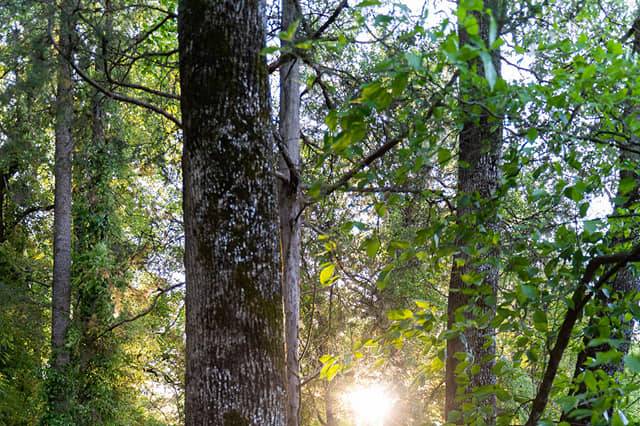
(235,348)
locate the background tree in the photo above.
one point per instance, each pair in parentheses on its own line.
(61,296)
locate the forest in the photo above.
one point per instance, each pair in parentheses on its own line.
(319,213)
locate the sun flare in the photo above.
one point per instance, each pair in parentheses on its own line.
(371,404)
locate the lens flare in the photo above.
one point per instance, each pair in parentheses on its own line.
(371,404)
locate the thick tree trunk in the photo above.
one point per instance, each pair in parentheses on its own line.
(235,345)
(289,202)
(61,299)
(479,151)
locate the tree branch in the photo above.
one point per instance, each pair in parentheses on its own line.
(114,95)
(151,307)
(273,66)
(581,296)
(436,101)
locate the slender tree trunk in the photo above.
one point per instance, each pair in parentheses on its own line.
(96,227)
(61,299)
(3,190)
(235,338)
(289,202)
(479,151)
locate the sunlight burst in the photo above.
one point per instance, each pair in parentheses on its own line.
(371,404)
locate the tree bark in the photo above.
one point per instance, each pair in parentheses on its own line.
(478,172)
(61,298)
(235,345)
(289,204)
(3,190)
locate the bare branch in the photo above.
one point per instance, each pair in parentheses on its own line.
(151,307)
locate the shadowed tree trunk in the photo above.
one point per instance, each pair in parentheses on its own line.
(235,338)
(478,171)
(289,202)
(61,298)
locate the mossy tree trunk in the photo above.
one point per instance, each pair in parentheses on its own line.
(480,142)
(97,270)
(235,338)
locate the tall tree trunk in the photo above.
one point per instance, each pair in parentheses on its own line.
(61,298)
(97,229)
(479,151)
(289,203)
(3,190)
(235,339)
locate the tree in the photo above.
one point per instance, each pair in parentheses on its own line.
(235,359)
(474,281)
(100,268)
(612,321)
(61,297)
(290,211)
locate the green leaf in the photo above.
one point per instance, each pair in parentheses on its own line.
(589,72)
(626,185)
(399,314)
(477,5)
(414,60)
(326,274)
(590,381)
(493,31)
(269,50)
(540,321)
(632,362)
(471,25)
(381,209)
(399,83)
(590,226)
(619,419)
(290,33)
(576,192)
(526,293)
(444,155)
(489,69)
(369,3)
(614,47)
(332,120)
(371,246)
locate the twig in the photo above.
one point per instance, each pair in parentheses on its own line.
(114,95)
(151,307)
